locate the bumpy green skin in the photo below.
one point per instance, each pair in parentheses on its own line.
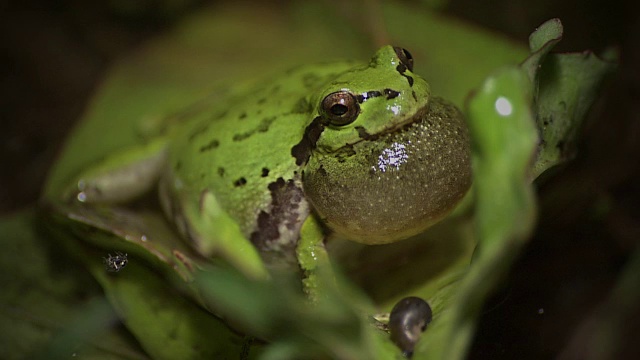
(259,163)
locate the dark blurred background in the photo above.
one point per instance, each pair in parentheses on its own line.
(55,52)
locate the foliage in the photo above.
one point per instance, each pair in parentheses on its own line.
(516,115)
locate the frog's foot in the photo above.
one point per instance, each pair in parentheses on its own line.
(122,176)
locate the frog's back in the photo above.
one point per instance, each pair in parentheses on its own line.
(240,149)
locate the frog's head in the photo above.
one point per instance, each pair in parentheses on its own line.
(387,160)
(371,100)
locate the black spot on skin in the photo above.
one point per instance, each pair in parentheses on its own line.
(410,79)
(265,123)
(268,231)
(363,134)
(285,200)
(211,145)
(198,131)
(243,136)
(368,95)
(322,171)
(388,93)
(404,56)
(221,171)
(265,172)
(402,69)
(240,182)
(302,106)
(302,150)
(178,165)
(391,94)
(345,153)
(310,80)
(220,115)
(183,115)
(372,94)
(262,101)
(242,116)
(275,89)
(262,127)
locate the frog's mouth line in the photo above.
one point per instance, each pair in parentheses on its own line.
(398,127)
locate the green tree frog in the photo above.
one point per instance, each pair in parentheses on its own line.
(362,148)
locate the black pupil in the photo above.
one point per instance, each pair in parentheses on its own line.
(339,109)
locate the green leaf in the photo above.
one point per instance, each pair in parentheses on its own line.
(332,326)
(225,47)
(504,138)
(568,86)
(541,42)
(167,324)
(546,35)
(50,307)
(153,295)
(565,87)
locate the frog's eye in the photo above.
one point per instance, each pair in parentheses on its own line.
(405,57)
(340,108)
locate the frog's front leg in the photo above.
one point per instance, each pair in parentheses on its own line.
(213,232)
(121,176)
(312,256)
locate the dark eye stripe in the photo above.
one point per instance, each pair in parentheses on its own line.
(388,93)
